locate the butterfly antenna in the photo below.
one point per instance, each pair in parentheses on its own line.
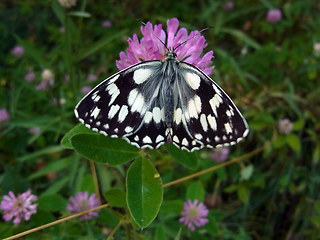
(192,37)
(155,35)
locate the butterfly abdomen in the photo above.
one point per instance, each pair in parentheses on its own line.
(168,106)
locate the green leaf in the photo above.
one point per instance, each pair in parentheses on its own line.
(42,217)
(80,14)
(246,173)
(108,217)
(212,226)
(6,230)
(233,63)
(32,51)
(100,148)
(80,128)
(177,237)
(94,47)
(279,142)
(87,184)
(52,202)
(243,193)
(242,36)
(316,154)
(160,233)
(195,191)
(44,151)
(187,159)
(54,188)
(172,206)
(116,197)
(144,191)
(294,142)
(52,167)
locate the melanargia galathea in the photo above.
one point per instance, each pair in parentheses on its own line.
(154,102)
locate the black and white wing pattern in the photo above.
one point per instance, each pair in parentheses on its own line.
(126,105)
(205,116)
(154,102)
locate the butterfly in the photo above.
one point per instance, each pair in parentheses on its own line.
(154,102)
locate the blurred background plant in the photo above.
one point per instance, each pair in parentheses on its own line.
(266,58)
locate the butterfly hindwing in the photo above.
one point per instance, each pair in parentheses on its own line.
(207,115)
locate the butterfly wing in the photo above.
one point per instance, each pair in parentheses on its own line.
(126,105)
(205,116)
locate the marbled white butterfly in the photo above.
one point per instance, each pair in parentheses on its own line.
(154,102)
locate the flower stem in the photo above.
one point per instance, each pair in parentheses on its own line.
(95,179)
(114,230)
(55,222)
(214,168)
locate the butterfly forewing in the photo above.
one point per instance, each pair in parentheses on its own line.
(127,105)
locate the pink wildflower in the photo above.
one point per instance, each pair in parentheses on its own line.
(150,48)
(92,77)
(17,51)
(106,23)
(4,115)
(30,76)
(194,214)
(219,154)
(82,202)
(285,126)
(274,15)
(86,89)
(18,208)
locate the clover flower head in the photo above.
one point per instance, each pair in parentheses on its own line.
(30,76)
(285,126)
(219,154)
(194,214)
(18,208)
(149,47)
(274,15)
(92,77)
(228,6)
(18,51)
(82,202)
(106,23)
(4,115)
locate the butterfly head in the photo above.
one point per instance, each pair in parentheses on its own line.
(171,54)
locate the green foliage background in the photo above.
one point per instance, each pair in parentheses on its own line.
(271,71)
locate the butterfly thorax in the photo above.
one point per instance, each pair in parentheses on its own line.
(171,55)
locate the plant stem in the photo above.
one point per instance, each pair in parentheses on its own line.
(95,179)
(232,161)
(55,222)
(114,230)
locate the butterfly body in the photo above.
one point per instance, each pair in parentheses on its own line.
(154,102)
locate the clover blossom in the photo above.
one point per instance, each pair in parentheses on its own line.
(285,126)
(194,214)
(274,15)
(82,202)
(4,115)
(151,48)
(18,51)
(18,208)
(219,154)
